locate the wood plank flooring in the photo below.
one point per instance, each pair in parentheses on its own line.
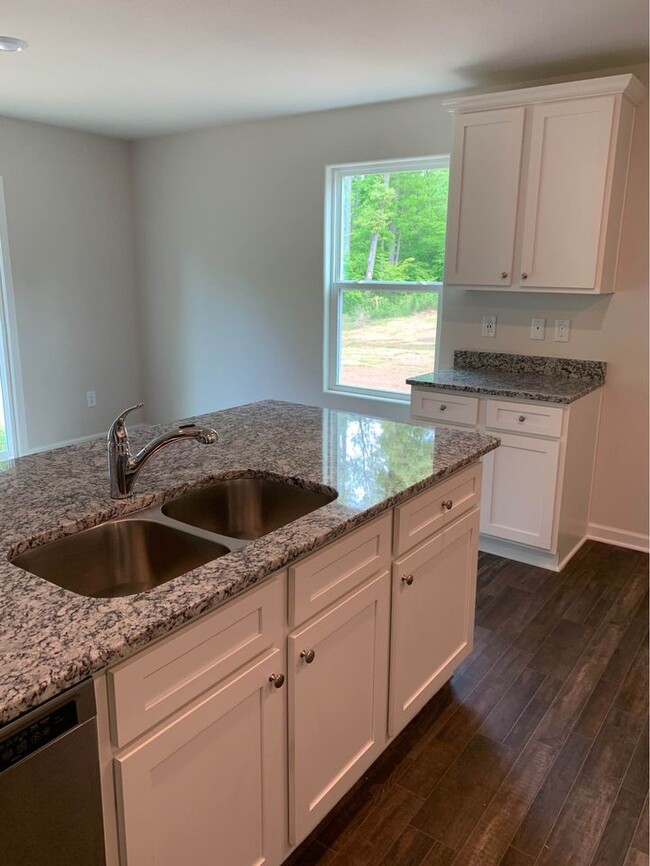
(536,752)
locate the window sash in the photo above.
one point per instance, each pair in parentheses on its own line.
(334,285)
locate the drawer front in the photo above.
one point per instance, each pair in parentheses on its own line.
(325,576)
(160,680)
(451,408)
(533,418)
(427,513)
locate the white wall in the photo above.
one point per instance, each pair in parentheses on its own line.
(69,211)
(230,246)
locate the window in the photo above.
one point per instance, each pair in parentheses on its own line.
(9,372)
(385,245)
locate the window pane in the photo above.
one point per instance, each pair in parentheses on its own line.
(386,337)
(393,225)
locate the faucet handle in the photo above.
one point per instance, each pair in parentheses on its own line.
(117,432)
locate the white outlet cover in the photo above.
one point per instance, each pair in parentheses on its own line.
(489,326)
(562,330)
(537,327)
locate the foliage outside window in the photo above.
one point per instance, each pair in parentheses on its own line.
(386,260)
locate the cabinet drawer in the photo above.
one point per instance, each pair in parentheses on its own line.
(425,514)
(449,408)
(325,576)
(160,680)
(530,418)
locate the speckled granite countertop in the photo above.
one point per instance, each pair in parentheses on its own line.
(523,377)
(51,639)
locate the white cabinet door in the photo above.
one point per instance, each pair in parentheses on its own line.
(338,683)
(519,485)
(483,193)
(566,193)
(207,787)
(434,594)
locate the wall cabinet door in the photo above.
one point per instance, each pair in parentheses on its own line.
(338,665)
(519,486)
(566,193)
(207,787)
(434,591)
(483,193)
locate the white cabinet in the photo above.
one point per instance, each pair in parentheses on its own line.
(537,185)
(338,684)
(519,483)
(205,787)
(434,592)
(486,160)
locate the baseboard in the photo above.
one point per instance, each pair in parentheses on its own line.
(618,537)
(519,552)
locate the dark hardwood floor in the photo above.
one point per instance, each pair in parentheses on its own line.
(536,752)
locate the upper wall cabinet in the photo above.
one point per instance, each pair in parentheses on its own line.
(537,186)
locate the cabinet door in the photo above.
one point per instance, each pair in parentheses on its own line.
(566,192)
(519,485)
(337,702)
(434,594)
(207,787)
(483,193)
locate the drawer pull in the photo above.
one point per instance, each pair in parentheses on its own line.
(277,680)
(448,504)
(308,656)
(443,407)
(524,276)
(504,275)
(408,579)
(522,418)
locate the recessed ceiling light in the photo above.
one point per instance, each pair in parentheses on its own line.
(10,43)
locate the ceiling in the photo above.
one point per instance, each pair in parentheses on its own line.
(135,68)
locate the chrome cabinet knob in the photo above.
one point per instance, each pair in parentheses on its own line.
(504,275)
(443,407)
(522,418)
(407,579)
(277,680)
(524,276)
(448,504)
(308,656)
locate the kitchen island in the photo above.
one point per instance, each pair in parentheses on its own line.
(51,639)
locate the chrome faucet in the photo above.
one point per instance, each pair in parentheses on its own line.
(124,467)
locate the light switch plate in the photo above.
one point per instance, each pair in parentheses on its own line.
(537,327)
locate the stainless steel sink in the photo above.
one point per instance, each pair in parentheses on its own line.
(245,508)
(119,558)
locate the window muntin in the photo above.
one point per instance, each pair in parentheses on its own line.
(386,237)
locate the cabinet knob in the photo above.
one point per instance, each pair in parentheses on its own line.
(522,418)
(277,680)
(308,656)
(407,579)
(524,276)
(448,504)
(443,407)
(504,275)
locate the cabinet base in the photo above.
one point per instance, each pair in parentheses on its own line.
(528,555)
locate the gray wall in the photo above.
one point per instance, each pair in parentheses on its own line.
(68,200)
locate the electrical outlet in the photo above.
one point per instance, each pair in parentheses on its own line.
(537,327)
(91,399)
(489,327)
(562,329)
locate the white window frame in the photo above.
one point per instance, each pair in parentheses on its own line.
(10,368)
(334,286)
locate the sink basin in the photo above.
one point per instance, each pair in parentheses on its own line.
(245,508)
(119,558)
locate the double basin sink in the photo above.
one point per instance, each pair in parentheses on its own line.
(133,554)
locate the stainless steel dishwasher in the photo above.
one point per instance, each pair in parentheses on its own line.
(50,795)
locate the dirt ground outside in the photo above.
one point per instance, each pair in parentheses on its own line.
(382,354)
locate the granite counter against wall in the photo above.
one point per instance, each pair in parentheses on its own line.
(521,377)
(51,638)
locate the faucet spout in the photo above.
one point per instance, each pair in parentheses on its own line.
(124,467)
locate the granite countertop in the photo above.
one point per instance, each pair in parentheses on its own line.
(523,377)
(51,638)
